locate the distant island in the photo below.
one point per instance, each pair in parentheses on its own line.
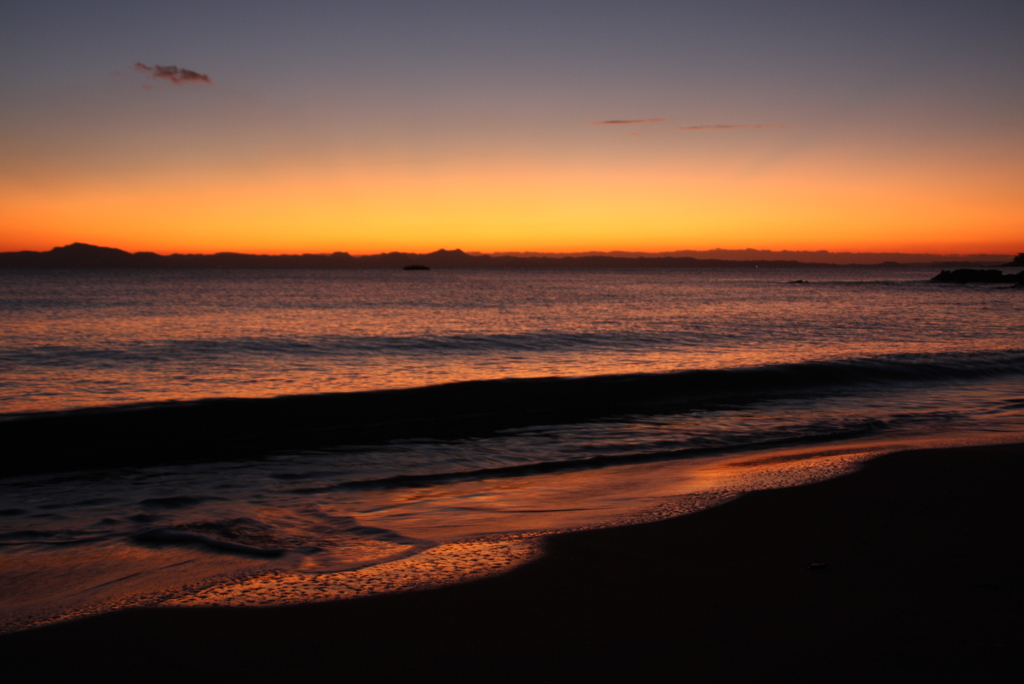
(79,255)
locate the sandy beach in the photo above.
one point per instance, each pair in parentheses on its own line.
(907,569)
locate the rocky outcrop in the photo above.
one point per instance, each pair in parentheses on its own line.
(974,275)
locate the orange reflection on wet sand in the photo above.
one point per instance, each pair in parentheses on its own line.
(41,586)
(464,512)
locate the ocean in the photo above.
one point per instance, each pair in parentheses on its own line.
(251,437)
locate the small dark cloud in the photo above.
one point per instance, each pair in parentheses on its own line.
(622,122)
(721,127)
(172,73)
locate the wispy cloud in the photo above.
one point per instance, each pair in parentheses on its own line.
(721,127)
(626,122)
(172,73)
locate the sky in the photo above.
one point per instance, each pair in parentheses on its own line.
(410,125)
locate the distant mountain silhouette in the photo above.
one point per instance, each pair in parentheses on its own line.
(80,255)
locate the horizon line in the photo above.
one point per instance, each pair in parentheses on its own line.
(623,253)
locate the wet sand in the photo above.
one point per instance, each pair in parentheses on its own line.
(909,570)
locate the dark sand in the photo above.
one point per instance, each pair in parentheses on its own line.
(909,570)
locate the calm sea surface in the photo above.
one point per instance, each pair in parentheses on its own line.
(762,381)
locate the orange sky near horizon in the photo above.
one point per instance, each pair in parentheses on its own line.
(520,208)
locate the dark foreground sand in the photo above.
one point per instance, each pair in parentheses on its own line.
(910,570)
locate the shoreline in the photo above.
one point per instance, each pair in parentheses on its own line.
(905,568)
